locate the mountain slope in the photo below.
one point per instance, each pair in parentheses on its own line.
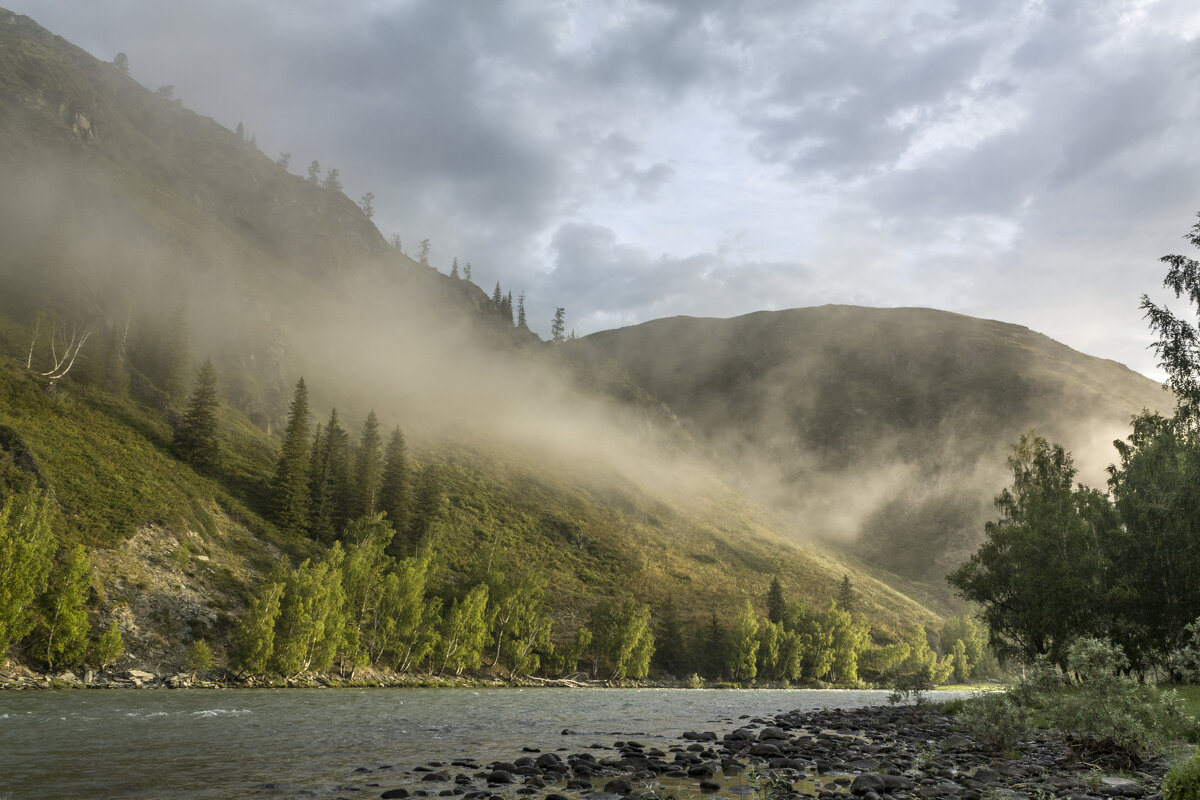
(883,428)
(167,239)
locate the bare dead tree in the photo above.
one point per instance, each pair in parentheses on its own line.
(71,341)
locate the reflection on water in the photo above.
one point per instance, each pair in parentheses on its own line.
(262,743)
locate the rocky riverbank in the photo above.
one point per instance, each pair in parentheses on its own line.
(877,753)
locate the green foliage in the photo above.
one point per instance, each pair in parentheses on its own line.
(61,636)
(199,657)
(623,639)
(291,484)
(1178,338)
(109,647)
(921,669)
(196,439)
(465,632)
(1104,715)
(776,604)
(329,485)
(368,469)
(26,554)
(1041,565)
(395,490)
(520,624)
(254,636)
(1182,781)
(743,644)
(996,721)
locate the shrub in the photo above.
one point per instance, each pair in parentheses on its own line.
(1183,780)
(996,721)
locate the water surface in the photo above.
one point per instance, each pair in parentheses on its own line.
(271,744)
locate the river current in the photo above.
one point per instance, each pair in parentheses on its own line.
(273,744)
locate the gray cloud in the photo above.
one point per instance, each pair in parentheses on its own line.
(642,158)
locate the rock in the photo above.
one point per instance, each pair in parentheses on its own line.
(708,787)
(549,761)
(868,782)
(139,675)
(740,735)
(772,732)
(618,786)
(1113,787)
(395,793)
(500,776)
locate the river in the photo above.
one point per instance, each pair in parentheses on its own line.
(273,744)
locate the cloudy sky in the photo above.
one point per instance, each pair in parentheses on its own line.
(1025,161)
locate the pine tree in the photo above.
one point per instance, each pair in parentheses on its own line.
(196,439)
(497,297)
(109,647)
(776,605)
(521,322)
(423,252)
(506,308)
(329,488)
(558,326)
(291,485)
(26,557)
(314,171)
(62,636)
(332,180)
(845,598)
(454,268)
(368,469)
(429,504)
(467,272)
(395,491)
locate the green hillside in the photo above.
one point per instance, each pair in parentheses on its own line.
(165,239)
(897,420)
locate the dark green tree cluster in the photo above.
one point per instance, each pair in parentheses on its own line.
(1065,562)
(44,591)
(324,480)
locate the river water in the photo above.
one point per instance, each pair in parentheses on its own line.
(273,744)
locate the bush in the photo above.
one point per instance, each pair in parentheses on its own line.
(996,721)
(1183,781)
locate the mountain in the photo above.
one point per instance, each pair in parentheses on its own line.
(885,430)
(143,238)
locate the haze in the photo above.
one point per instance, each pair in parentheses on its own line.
(1025,162)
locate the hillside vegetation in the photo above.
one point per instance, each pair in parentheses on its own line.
(142,240)
(885,429)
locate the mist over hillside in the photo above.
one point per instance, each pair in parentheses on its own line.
(884,429)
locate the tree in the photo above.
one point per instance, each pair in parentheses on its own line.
(395,491)
(497,298)
(467,272)
(845,597)
(1155,591)
(454,268)
(291,484)
(521,321)
(26,555)
(776,605)
(199,657)
(465,632)
(558,325)
(506,308)
(109,647)
(240,132)
(254,636)
(329,487)
(623,638)
(196,439)
(368,469)
(1178,344)
(332,180)
(166,91)
(367,204)
(1040,568)
(62,631)
(742,655)
(423,252)
(314,171)
(121,62)
(284,161)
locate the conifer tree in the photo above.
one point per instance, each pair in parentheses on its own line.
(558,326)
(454,268)
(497,297)
(423,252)
(62,636)
(429,504)
(291,485)
(467,272)
(521,321)
(196,439)
(314,171)
(330,484)
(26,556)
(506,308)
(368,469)
(776,605)
(395,491)
(109,647)
(845,597)
(173,354)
